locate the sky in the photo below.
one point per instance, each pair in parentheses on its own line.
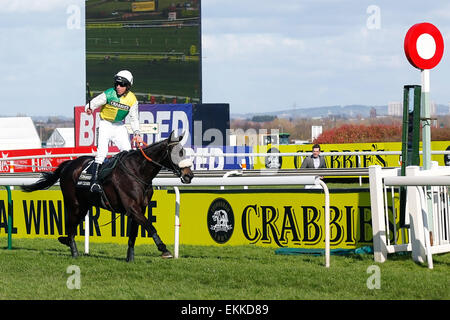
(42,57)
(257,55)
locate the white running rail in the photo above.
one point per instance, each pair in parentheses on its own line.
(427,207)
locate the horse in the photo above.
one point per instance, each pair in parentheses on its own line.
(127,189)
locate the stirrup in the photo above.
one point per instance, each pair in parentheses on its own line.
(96,188)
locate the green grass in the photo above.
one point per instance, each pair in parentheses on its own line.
(36,269)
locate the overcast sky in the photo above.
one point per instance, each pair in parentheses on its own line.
(258,55)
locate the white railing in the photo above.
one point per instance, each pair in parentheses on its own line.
(237,154)
(427,207)
(211,181)
(379,202)
(254,158)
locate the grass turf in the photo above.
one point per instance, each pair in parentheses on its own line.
(37,269)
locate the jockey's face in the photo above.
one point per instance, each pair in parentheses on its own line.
(120,89)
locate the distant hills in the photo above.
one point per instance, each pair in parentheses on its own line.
(349,111)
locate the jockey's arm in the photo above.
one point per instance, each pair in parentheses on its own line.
(134,119)
(96,102)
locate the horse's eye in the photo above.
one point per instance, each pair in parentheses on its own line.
(181,152)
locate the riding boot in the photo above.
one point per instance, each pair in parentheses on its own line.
(95,186)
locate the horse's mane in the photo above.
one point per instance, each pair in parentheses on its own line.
(154,144)
(150,146)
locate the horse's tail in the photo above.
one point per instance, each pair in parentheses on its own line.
(48,179)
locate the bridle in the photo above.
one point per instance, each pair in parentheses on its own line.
(176,171)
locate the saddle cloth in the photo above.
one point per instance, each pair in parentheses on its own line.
(104,171)
(84,180)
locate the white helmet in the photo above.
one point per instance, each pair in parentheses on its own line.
(124,76)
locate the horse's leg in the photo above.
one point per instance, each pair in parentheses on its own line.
(136,210)
(74,217)
(147,225)
(132,239)
(161,246)
(71,226)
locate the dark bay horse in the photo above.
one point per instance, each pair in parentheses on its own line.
(128,188)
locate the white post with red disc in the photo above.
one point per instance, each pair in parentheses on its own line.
(424,48)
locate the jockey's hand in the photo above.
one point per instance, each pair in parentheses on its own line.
(89,111)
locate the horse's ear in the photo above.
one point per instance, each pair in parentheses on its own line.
(174,139)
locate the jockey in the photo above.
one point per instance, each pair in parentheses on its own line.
(116,103)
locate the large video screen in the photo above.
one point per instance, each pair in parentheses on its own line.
(159,41)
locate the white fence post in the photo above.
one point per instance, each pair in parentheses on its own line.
(415,209)
(86,233)
(377,207)
(177,222)
(327,222)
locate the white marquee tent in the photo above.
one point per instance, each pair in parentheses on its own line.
(18,133)
(61,138)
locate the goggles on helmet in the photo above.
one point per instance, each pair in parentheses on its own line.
(121,81)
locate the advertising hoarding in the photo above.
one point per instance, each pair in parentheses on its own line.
(264,217)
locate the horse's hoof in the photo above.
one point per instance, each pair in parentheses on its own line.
(166,255)
(130,255)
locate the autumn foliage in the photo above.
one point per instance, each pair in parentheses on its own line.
(341,130)
(355,133)
(440,134)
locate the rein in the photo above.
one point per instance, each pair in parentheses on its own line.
(142,151)
(176,172)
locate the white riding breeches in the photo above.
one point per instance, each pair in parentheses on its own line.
(115,132)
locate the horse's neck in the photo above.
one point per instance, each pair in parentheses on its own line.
(157,153)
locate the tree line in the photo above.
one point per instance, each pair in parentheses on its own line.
(342,130)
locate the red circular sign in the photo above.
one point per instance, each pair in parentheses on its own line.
(424,46)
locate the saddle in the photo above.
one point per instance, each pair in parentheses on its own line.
(104,171)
